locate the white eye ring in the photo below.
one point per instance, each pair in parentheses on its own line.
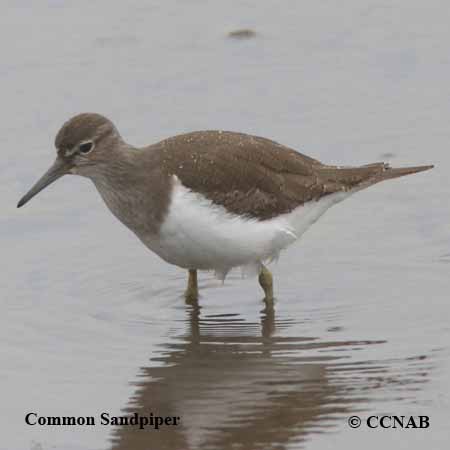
(86,147)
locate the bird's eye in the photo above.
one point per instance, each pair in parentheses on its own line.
(86,147)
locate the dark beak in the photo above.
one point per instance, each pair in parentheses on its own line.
(57,170)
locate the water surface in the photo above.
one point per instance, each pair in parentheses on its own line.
(92,321)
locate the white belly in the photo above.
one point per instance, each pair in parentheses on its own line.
(198,234)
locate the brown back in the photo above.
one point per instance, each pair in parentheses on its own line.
(253,176)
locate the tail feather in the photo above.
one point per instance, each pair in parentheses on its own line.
(391,172)
(365,176)
(388,173)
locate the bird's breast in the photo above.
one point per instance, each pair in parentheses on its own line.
(196,233)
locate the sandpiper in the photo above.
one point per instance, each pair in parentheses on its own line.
(208,200)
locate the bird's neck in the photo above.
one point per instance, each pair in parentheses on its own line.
(134,190)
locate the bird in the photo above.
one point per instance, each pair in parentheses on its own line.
(208,200)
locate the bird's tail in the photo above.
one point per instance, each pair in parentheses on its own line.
(386,172)
(392,172)
(365,176)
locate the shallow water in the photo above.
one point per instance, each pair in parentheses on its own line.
(92,322)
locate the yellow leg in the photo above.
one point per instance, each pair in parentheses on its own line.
(266,282)
(191,293)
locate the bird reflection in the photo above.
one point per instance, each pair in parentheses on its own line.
(238,385)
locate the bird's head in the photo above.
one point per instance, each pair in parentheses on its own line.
(84,143)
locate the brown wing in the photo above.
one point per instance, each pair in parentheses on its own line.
(247,175)
(250,175)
